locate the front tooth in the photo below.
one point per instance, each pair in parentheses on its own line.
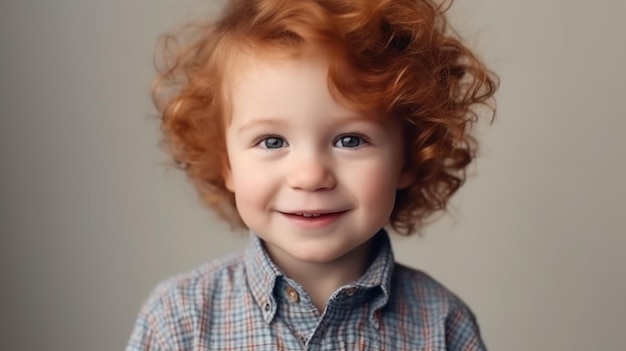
(310,215)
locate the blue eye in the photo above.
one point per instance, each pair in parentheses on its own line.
(273,143)
(349,141)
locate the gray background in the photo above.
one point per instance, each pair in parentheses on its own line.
(91,218)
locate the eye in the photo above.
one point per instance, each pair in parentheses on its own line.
(351,141)
(272,142)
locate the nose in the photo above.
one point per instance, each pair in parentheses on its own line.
(311,174)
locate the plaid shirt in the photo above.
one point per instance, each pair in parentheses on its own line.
(244,302)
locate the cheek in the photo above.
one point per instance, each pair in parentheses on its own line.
(376,186)
(250,198)
(251,185)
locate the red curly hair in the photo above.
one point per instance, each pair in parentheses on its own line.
(398,56)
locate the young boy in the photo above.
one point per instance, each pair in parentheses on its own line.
(315,124)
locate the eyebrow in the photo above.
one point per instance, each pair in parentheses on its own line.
(267,122)
(275,122)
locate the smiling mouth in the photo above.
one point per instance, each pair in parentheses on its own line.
(315,214)
(309,215)
(313,219)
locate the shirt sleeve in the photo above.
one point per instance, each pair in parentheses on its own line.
(462,332)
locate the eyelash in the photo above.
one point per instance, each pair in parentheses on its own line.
(362,140)
(258,142)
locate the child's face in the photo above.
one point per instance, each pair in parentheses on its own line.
(312,178)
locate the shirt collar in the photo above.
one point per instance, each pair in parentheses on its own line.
(378,274)
(262,274)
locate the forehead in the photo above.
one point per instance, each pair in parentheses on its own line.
(274,85)
(250,67)
(261,85)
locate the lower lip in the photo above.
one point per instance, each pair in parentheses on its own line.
(314,222)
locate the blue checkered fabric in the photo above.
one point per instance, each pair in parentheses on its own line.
(244,302)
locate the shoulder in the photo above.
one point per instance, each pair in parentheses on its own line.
(196,286)
(424,289)
(423,298)
(178,306)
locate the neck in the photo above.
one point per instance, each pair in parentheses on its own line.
(321,280)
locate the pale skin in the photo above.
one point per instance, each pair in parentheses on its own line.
(312,178)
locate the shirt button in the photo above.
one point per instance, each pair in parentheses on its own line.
(292,294)
(350,292)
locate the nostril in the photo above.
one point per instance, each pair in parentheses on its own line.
(311,178)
